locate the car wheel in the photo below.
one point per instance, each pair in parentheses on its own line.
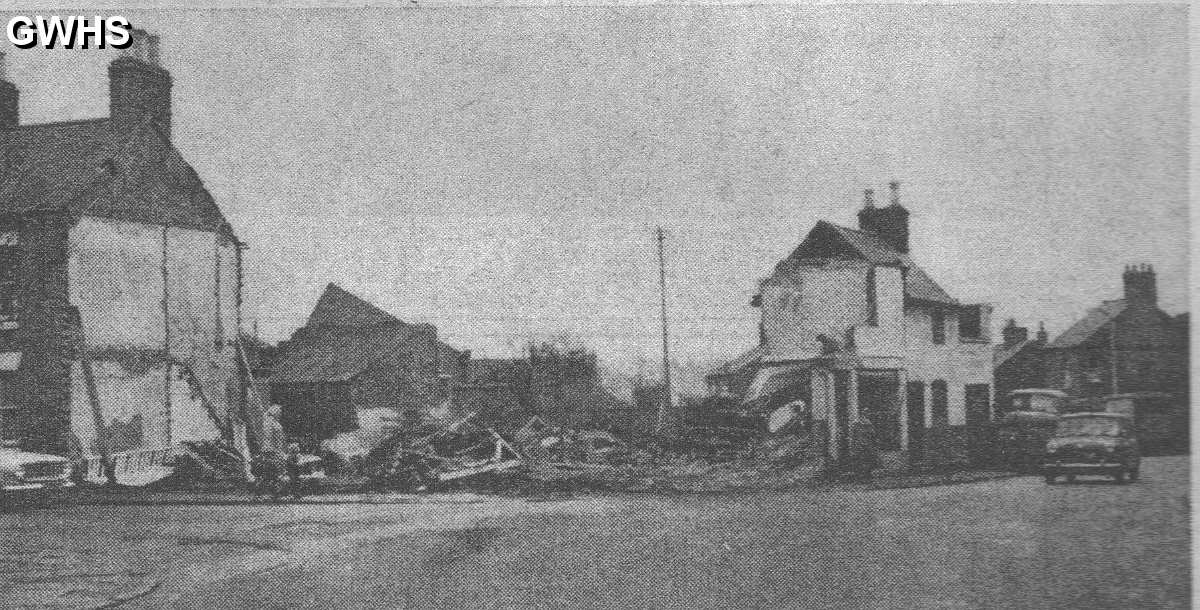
(1133,474)
(1119,477)
(1070,478)
(1050,479)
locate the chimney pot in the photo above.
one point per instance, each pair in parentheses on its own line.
(889,223)
(869,198)
(1014,334)
(1140,285)
(138,88)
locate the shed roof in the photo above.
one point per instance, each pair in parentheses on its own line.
(324,355)
(337,307)
(344,336)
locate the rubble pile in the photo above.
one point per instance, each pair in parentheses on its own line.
(459,451)
(707,458)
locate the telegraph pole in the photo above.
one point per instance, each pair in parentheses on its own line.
(664,406)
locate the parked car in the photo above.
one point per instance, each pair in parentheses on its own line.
(1039,400)
(24,472)
(1093,443)
(1024,431)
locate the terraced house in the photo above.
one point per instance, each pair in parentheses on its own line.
(851,325)
(120,278)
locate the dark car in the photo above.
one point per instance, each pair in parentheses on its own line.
(1027,425)
(1022,438)
(1093,443)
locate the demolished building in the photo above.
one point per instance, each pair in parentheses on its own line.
(120,279)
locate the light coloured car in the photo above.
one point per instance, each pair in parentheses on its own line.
(25,471)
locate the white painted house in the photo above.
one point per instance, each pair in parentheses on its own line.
(853,326)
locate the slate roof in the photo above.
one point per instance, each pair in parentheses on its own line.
(1002,353)
(1085,327)
(89,167)
(337,307)
(344,336)
(918,286)
(339,354)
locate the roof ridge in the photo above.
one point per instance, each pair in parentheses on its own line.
(845,228)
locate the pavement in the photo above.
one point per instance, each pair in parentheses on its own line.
(1000,543)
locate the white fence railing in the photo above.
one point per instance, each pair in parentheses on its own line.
(135,467)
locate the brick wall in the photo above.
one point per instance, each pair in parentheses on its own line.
(1150,357)
(44,336)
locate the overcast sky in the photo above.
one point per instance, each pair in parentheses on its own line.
(499,172)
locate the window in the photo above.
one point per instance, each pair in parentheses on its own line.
(970,322)
(872,302)
(938,318)
(939,403)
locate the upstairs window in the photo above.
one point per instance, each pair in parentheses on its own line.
(938,318)
(970,323)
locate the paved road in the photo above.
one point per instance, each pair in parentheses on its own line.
(1014,543)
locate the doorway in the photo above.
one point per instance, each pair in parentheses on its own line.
(916,419)
(879,403)
(978,411)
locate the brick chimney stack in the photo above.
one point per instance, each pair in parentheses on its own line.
(1140,285)
(1042,335)
(138,87)
(1014,334)
(10,116)
(889,223)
